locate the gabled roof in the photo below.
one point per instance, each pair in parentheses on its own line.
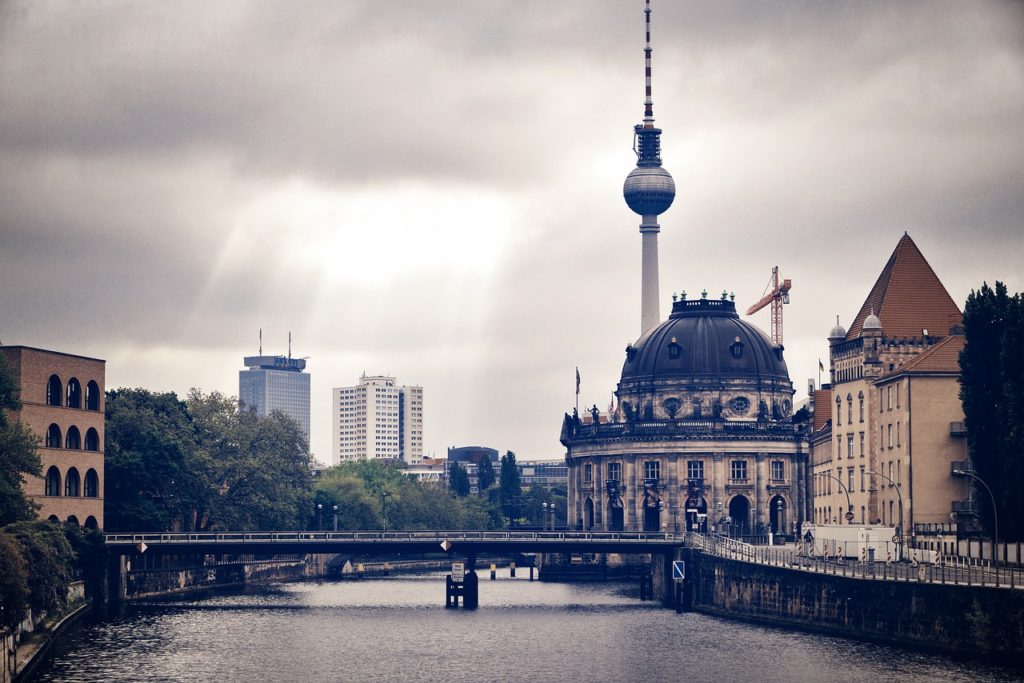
(908,298)
(822,408)
(941,359)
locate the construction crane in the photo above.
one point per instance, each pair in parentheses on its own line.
(778,295)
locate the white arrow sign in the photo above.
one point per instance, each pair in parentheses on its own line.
(446,545)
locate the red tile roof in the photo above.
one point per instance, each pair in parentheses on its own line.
(908,298)
(941,359)
(822,408)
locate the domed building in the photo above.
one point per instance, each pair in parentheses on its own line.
(702,435)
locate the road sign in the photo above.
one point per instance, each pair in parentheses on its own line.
(679,570)
(141,547)
(458,571)
(897,539)
(446,545)
(849,516)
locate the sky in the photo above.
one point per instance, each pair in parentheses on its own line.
(433,190)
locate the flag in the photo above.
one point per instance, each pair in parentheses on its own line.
(821,366)
(577,381)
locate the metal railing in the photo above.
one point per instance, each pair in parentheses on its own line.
(947,569)
(289,537)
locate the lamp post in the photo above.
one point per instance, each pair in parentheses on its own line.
(675,519)
(849,505)
(384,506)
(779,527)
(661,509)
(995,515)
(544,516)
(335,517)
(319,516)
(899,546)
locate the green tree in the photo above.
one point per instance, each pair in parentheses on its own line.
(510,491)
(49,557)
(458,480)
(14,590)
(357,508)
(992,392)
(485,475)
(19,456)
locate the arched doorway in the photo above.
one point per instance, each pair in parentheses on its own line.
(588,515)
(739,514)
(777,514)
(652,511)
(695,515)
(616,518)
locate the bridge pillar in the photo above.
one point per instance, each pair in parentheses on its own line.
(117,577)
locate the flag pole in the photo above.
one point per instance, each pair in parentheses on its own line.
(577,390)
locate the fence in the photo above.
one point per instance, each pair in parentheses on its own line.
(946,570)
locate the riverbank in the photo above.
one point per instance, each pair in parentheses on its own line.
(21,660)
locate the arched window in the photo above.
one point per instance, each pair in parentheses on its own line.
(53,439)
(839,411)
(74,393)
(53,518)
(92,440)
(92,484)
(849,409)
(54,391)
(860,397)
(72,520)
(73,439)
(90,522)
(92,396)
(72,483)
(53,482)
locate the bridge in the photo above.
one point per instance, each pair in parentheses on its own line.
(373,542)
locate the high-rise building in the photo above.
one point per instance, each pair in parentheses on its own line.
(276,383)
(62,401)
(377,419)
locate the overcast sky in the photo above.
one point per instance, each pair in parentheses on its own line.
(433,190)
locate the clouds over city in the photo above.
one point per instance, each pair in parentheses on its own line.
(433,189)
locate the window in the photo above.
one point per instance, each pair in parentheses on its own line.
(889,430)
(898,433)
(53,437)
(839,411)
(862,444)
(897,395)
(652,469)
(849,409)
(849,479)
(53,482)
(74,393)
(92,440)
(778,470)
(92,484)
(92,396)
(615,471)
(849,445)
(673,349)
(860,400)
(888,391)
(71,483)
(73,439)
(899,471)
(738,470)
(54,391)
(862,484)
(695,469)
(588,473)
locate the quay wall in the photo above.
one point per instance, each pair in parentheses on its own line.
(152,582)
(966,619)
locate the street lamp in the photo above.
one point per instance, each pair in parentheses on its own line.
(849,505)
(335,517)
(899,545)
(384,506)
(779,529)
(995,515)
(319,516)
(544,516)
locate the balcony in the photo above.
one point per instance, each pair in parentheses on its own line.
(957,429)
(965,507)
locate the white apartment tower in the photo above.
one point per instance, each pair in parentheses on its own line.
(377,419)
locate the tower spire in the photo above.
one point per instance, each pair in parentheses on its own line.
(649,190)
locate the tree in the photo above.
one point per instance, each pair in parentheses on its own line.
(510,490)
(992,392)
(49,557)
(458,480)
(19,456)
(14,590)
(484,475)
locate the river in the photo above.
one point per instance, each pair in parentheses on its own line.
(396,629)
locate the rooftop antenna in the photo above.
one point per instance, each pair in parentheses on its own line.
(289,344)
(261,341)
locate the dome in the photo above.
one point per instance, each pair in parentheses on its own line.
(871,322)
(838,331)
(704,340)
(649,190)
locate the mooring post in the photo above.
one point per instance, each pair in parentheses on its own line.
(512,569)
(494,571)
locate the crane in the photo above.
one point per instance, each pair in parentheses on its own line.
(778,295)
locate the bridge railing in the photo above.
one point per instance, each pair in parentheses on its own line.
(245,537)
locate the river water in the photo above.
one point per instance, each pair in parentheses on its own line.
(396,629)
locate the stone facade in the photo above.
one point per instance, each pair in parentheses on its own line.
(63,401)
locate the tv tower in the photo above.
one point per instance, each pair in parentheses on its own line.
(649,191)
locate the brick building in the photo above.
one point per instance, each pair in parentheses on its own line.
(62,397)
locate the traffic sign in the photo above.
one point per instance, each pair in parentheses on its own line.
(897,539)
(679,570)
(446,545)
(849,516)
(458,572)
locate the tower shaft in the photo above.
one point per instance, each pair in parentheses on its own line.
(649,295)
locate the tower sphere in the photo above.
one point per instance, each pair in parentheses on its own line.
(649,190)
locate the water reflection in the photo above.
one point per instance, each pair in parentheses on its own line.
(396,629)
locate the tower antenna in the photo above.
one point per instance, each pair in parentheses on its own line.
(261,341)
(648,102)
(289,345)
